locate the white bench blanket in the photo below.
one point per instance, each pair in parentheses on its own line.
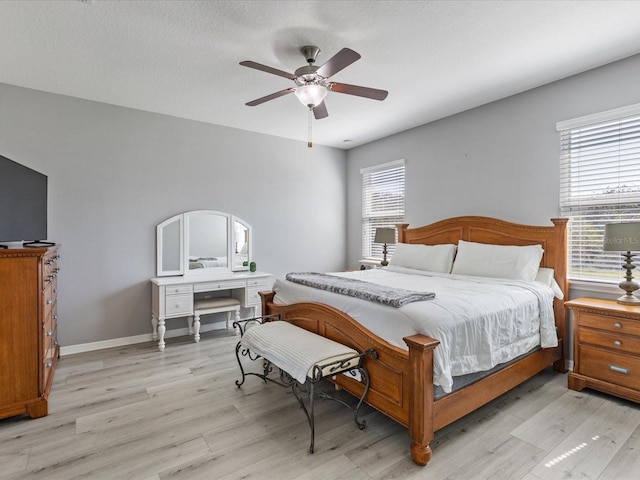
(292,349)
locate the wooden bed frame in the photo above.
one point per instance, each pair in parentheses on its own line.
(402,380)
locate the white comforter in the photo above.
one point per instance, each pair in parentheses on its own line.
(480,322)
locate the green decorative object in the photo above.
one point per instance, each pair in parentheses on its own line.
(252,266)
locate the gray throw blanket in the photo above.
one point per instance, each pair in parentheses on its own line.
(394,297)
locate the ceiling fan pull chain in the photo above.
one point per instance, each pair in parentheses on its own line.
(309,142)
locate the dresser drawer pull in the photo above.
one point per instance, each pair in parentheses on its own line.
(617,369)
(617,343)
(617,325)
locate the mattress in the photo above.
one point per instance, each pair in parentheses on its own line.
(480,322)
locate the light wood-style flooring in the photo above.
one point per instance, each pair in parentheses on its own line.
(134,412)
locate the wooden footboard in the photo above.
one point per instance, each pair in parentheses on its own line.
(401,381)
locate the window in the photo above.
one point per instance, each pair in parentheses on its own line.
(599,184)
(382,203)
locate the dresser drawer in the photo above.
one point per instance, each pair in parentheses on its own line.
(616,368)
(219,285)
(48,367)
(610,323)
(178,305)
(49,300)
(612,341)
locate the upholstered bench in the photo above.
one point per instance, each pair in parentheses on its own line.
(212,305)
(302,358)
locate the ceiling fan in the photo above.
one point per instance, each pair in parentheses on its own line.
(312,82)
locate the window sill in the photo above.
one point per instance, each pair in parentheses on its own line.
(596,287)
(370,262)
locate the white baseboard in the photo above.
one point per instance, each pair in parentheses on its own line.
(120,342)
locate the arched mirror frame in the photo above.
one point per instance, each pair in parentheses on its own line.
(173,252)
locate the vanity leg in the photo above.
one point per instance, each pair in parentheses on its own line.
(196,327)
(228,319)
(154,325)
(237,316)
(161,330)
(190,324)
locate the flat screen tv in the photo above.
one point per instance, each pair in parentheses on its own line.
(23,204)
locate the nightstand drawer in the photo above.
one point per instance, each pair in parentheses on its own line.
(612,341)
(611,367)
(611,324)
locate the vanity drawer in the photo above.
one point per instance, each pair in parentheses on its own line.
(260,283)
(616,368)
(612,341)
(219,285)
(178,305)
(178,289)
(252,295)
(610,323)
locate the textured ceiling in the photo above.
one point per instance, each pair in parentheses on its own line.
(180,58)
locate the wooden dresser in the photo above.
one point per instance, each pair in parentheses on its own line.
(606,352)
(28,329)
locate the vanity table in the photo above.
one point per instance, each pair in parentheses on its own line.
(202,254)
(172,297)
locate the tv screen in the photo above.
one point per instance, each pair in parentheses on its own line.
(23,203)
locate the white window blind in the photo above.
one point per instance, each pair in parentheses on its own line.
(382,203)
(599,184)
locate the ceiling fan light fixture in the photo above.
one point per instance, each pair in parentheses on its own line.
(311,95)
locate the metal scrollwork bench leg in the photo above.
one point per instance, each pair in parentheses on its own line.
(320,371)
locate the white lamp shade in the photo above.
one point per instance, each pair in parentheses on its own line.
(622,237)
(311,95)
(385,235)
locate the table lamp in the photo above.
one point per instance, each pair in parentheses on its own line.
(624,237)
(385,236)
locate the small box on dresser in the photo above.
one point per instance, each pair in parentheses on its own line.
(29,347)
(606,353)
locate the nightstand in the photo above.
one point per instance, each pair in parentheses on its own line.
(606,347)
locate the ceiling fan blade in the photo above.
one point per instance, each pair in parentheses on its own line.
(366,92)
(320,111)
(340,60)
(264,68)
(258,101)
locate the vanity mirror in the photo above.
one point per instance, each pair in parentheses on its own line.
(202,242)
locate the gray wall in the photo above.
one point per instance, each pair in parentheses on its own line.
(114,173)
(499,160)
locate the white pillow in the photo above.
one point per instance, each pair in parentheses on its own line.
(432,258)
(546,276)
(501,261)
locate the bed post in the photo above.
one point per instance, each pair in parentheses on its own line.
(560,272)
(400,228)
(420,396)
(265,298)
